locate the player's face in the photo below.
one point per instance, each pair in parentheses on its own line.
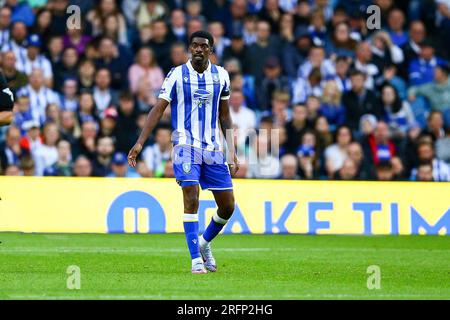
(200,50)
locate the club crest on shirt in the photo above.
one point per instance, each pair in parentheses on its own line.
(215,77)
(201,96)
(186,167)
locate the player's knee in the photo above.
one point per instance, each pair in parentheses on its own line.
(191,200)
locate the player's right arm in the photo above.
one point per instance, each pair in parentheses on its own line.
(6,102)
(150,123)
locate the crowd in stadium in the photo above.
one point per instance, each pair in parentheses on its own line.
(349,102)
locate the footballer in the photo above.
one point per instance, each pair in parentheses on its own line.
(198,92)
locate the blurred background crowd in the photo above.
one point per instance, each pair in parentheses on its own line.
(344,101)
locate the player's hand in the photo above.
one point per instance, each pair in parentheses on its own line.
(132,155)
(234,167)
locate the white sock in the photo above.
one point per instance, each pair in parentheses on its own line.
(202,242)
(197,260)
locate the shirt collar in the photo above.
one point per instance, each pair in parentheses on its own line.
(191,68)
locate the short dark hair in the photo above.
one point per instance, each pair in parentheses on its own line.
(204,35)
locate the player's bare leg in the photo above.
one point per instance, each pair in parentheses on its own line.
(190,222)
(225,204)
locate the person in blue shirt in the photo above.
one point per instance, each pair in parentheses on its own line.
(421,70)
(21,11)
(119,166)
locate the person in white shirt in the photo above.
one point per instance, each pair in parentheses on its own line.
(39,94)
(244,119)
(426,154)
(46,154)
(5,23)
(262,164)
(336,154)
(156,156)
(34,60)
(104,96)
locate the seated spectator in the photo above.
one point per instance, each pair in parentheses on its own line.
(31,140)
(11,151)
(302,89)
(82,167)
(272,81)
(108,123)
(443,147)
(359,101)
(69,97)
(101,164)
(289,167)
(63,165)
(87,110)
(348,171)
(435,126)
(436,92)
(243,118)
(425,172)
(145,72)
(397,114)
(86,75)
(69,126)
(85,145)
(422,69)
(336,153)
(14,77)
(384,171)
(46,154)
(317,59)
(35,60)
(262,164)
(396,23)
(384,52)
(126,129)
(280,112)
(426,153)
(378,147)
(104,95)
(399,169)
(340,43)
(308,159)
(364,64)
(356,154)
(66,68)
(120,168)
(156,156)
(331,106)
(76,39)
(27,166)
(40,95)
(296,127)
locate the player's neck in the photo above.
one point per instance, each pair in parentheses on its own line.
(200,67)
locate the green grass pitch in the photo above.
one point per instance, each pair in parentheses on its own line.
(128,266)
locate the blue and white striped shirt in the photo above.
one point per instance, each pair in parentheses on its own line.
(194,100)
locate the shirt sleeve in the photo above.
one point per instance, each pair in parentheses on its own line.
(166,89)
(225,94)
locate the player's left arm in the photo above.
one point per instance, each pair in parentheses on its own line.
(227,129)
(6,102)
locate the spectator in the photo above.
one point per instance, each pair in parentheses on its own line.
(341,44)
(317,59)
(104,95)
(296,128)
(289,168)
(5,24)
(40,95)
(262,162)
(69,127)
(272,81)
(126,129)
(85,145)
(384,171)
(69,97)
(243,118)
(426,153)
(148,12)
(99,14)
(379,146)
(331,106)
(396,22)
(21,11)
(11,152)
(76,39)
(364,63)
(86,75)
(15,78)
(101,165)
(178,28)
(348,171)
(307,161)
(359,101)
(119,167)
(82,167)
(425,172)
(356,154)
(161,43)
(436,92)
(46,154)
(27,166)
(397,114)
(336,153)
(145,72)
(66,68)
(156,156)
(422,69)
(63,165)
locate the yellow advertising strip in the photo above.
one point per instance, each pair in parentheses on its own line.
(103,205)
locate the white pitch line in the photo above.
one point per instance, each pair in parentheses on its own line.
(234,297)
(137,250)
